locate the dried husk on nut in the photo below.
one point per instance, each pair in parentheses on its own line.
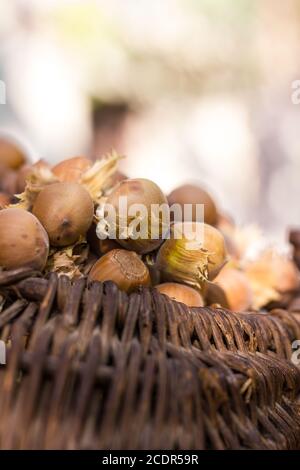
(96,180)
(39,177)
(192,261)
(69,261)
(26,170)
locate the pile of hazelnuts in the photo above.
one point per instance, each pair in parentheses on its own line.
(47,211)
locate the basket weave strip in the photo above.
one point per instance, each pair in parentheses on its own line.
(91,367)
(143,314)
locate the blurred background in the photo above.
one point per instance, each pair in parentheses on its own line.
(187,89)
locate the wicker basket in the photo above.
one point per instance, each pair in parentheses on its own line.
(91,367)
